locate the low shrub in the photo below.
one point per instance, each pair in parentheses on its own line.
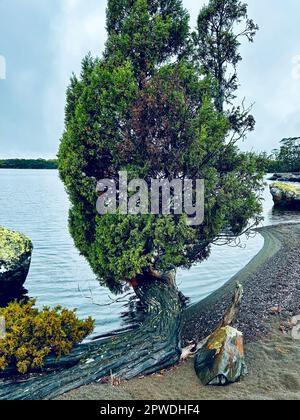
(33,334)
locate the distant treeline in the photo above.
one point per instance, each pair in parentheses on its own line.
(28,164)
(287,158)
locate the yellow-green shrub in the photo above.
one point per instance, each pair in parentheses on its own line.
(33,334)
(286,188)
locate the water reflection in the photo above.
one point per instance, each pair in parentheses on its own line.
(35,203)
(280,215)
(6,298)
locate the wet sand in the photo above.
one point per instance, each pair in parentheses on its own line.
(271,281)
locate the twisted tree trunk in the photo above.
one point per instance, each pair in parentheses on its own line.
(149,348)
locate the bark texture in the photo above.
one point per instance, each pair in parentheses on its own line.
(153,346)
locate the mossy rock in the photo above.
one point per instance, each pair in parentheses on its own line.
(285,195)
(15,258)
(221,360)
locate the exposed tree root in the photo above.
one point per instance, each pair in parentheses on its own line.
(150,348)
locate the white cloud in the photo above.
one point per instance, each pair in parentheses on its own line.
(296,67)
(79,28)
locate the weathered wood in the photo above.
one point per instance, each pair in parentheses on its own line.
(228,319)
(232,312)
(145,350)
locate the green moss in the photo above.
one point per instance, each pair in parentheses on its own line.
(286,188)
(217,339)
(13,245)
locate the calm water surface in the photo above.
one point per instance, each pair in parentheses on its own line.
(34,202)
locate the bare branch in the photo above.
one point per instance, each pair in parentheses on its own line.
(121,299)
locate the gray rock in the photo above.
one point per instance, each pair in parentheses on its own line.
(221,360)
(286,177)
(15,259)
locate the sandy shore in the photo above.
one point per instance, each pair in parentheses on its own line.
(271,280)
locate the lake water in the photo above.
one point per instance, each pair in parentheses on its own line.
(34,202)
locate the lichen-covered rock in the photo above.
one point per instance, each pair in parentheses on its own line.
(221,360)
(15,258)
(285,195)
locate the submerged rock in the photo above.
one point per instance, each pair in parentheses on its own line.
(221,360)
(15,259)
(285,195)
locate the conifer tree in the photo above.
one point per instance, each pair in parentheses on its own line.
(144,110)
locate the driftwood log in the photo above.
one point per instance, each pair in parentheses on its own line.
(147,349)
(232,312)
(227,321)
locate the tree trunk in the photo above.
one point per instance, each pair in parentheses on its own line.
(147,349)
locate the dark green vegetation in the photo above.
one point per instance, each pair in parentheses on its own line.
(28,164)
(135,109)
(287,158)
(31,334)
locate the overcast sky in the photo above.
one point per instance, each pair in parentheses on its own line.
(43,41)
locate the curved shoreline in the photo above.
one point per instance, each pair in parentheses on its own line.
(271,278)
(264,285)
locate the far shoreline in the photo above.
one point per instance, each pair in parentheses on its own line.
(39,164)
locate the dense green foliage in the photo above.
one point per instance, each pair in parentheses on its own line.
(145,33)
(28,164)
(33,334)
(287,158)
(147,109)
